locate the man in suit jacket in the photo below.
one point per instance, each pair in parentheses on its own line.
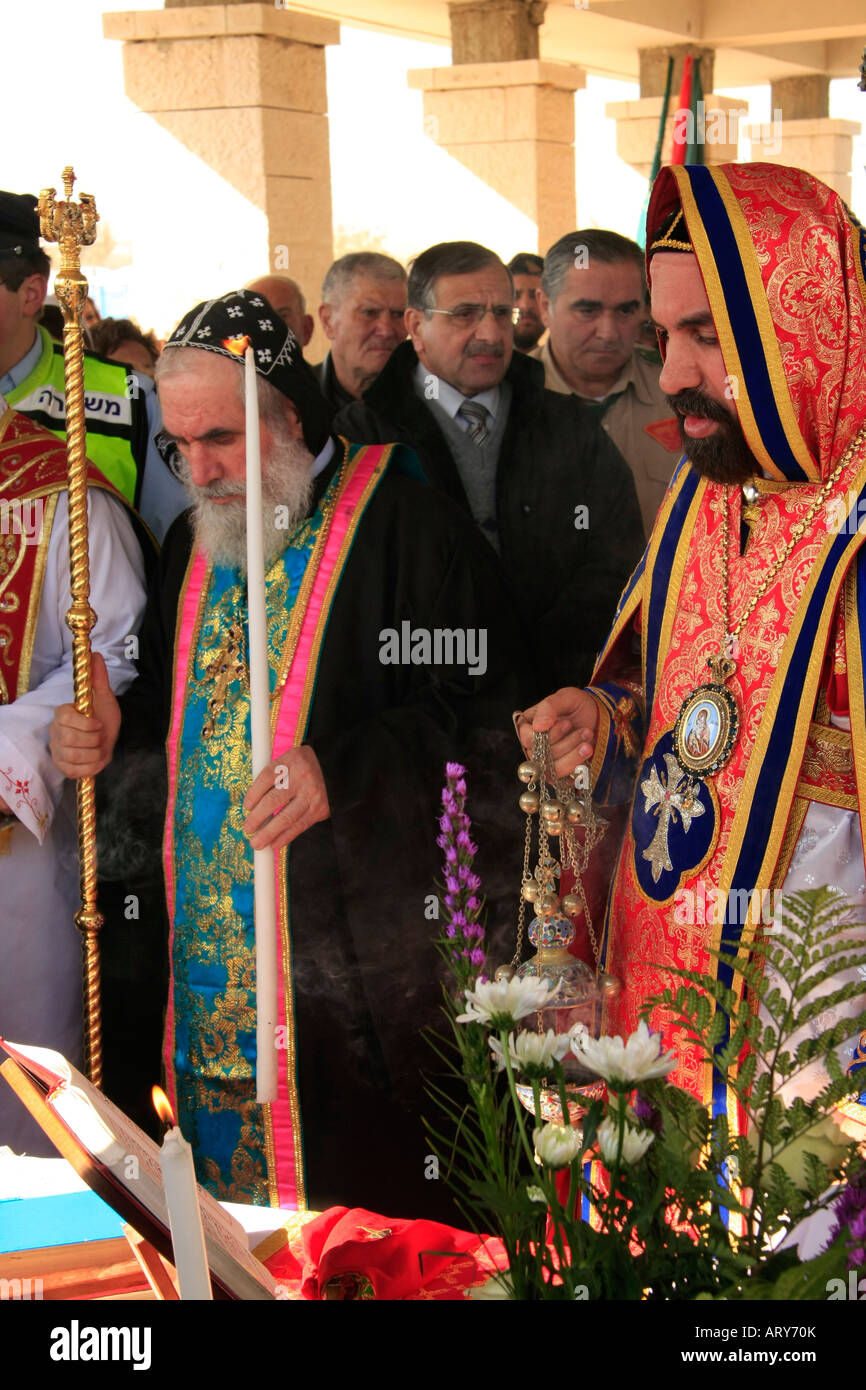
(546,487)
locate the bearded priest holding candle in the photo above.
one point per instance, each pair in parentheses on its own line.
(355,545)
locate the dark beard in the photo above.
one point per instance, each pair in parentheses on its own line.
(723,457)
(526,336)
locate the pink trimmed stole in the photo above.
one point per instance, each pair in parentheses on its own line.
(365,470)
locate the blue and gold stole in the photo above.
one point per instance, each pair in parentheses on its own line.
(244,1151)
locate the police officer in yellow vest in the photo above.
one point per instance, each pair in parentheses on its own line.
(121,409)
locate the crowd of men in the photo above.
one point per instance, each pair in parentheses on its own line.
(454,500)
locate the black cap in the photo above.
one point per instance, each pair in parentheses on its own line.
(19,224)
(223,326)
(672,235)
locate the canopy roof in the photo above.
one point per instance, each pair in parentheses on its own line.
(756,41)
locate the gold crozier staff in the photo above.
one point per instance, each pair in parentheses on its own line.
(73,225)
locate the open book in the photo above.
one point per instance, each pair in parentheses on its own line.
(121,1164)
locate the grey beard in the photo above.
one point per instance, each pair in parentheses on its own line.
(287,488)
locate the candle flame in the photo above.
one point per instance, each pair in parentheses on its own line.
(237,345)
(161,1106)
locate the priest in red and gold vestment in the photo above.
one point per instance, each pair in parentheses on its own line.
(728,702)
(40,986)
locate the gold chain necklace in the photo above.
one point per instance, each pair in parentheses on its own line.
(708,721)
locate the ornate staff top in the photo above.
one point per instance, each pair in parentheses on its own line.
(68,220)
(71,225)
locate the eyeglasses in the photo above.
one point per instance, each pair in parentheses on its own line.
(469,315)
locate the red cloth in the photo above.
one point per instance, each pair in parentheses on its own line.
(682,144)
(667,433)
(33,467)
(356,1254)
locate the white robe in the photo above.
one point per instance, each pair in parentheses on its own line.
(40,978)
(828,852)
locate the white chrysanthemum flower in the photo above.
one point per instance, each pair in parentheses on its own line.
(557,1145)
(635,1142)
(532,1054)
(500,1003)
(625,1064)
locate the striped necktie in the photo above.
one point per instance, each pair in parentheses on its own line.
(476,416)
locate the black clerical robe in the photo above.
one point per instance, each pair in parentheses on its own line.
(365,971)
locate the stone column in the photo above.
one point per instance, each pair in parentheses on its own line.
(242,86)
(653,68)
(490,31)
(637,122)
(802,134)
(510,121)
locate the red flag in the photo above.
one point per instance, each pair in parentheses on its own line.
(681,118)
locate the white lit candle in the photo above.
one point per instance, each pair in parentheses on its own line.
(184,1215)
(260,720)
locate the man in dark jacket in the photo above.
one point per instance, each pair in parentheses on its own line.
(362,308)
(389,658)
(550,492)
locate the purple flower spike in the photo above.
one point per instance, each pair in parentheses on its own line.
(462,903)
(850,1211)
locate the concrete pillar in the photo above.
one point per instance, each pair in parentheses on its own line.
(242,86)
(802,133)
(637,122)
(823,146)
(805,98)
(512,124)
(653,68)
(637,125)
(494,31)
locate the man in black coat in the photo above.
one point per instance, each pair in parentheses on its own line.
(362,308)
(389,657)
(551,493)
